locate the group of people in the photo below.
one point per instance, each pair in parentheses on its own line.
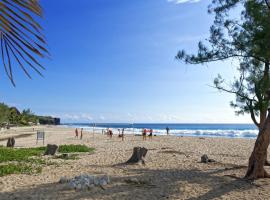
(144,133)
(77,133)
(121,133)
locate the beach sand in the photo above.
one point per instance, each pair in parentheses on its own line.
(172,171)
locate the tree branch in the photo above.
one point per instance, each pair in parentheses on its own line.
(252,114)
(234,92)
(267,3)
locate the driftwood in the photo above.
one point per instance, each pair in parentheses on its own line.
(51,149)
(138,155)
(11,142)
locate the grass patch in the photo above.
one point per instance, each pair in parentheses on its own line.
(22,154)
(74,148)
(20,168)
(29,160)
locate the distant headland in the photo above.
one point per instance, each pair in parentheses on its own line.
(11,116)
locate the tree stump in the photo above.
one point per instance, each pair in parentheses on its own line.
(138,155)
(51,149)
(11,142)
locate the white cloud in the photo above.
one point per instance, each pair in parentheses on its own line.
(73,117)
(183,1)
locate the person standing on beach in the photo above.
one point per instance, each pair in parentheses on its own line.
(144,134)
(150,134)
(123,130)
(167,130)
(76,133)
(81,133)
(110,133)
(119,132)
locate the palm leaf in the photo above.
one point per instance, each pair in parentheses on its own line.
(22,41)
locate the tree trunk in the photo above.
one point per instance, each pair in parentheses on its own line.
(259,154)
(138,155)
(263,114)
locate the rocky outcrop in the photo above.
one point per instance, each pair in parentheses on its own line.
(85,182)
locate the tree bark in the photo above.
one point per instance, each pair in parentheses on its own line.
(258,156)
(138,155)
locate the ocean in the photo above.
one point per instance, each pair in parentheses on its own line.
(192,130)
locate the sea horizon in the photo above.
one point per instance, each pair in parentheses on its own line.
(226,130)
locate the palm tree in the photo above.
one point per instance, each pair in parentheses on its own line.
(21,36)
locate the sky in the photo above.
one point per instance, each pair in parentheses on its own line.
(114,61)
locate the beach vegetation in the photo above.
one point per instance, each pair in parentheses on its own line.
(29,160)
(246,41)
(74,148)
(20,154)
(19,168)
(12,116)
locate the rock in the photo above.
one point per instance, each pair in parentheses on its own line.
(72,185)
(204,159)
(51,149)
(84,186)
(11,142)
(63,179)
(79,187)
(132,181)
(91,186)
(65,155)
(105,178)
(103,182)
(84,182)
(96,181)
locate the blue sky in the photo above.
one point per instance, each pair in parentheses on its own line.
(113,61)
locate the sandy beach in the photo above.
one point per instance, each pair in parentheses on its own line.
(172,171)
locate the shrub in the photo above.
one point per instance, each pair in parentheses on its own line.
(74,148)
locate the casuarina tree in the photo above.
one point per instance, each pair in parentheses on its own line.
(246,40)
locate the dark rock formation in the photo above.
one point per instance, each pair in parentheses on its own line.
(205,159)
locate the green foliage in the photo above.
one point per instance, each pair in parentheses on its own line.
(21,161)
(29,160)
(22,41)
(4,113)
(245,39)
(22,154)
(10,115)
(74,148)
(20,168)
(14,117)
(28,116)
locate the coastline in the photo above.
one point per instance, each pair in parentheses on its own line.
(173,169)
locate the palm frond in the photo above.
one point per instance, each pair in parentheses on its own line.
(22,41)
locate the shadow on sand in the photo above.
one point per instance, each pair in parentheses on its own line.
(154,184)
